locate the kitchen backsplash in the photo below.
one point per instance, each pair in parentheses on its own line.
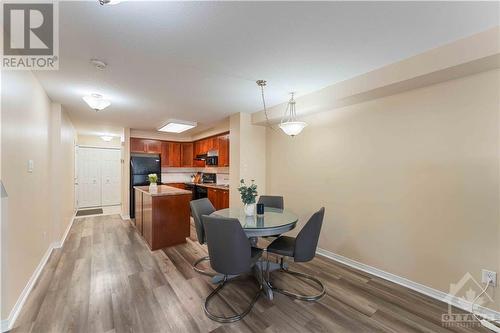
(183,175)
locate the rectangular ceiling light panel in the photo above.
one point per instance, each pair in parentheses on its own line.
(177,126)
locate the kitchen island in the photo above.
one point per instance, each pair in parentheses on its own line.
(162,217)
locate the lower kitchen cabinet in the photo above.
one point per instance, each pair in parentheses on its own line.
(162,218)
(182,186)
(218,197)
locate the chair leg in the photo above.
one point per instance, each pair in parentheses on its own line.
(201,271)
(309,298)
(234,318)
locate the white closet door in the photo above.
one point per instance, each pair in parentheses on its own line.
(89,177)
(110,176)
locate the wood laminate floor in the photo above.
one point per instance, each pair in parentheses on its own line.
(105,279)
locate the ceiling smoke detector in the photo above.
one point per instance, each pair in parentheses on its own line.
(100,65)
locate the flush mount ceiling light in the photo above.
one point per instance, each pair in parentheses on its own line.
(177,126)
(289,124)
(96,102)
(106,138)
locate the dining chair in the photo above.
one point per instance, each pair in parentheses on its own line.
(230,254)
(274,201)
(302,249)
(199,208)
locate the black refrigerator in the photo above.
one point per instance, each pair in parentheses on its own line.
(140,167)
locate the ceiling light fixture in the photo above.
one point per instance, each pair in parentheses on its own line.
(106,138)
(289,123)
(96,102)
(109,2)
(177,126)
(100,65)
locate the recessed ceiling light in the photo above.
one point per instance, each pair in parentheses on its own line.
(96,102)
(177,126)
(106,138)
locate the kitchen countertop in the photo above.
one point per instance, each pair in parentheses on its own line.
(219,187)
(163,190)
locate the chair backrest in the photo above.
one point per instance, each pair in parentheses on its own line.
(274,201)
(228,247)
(199,208)
(307,239)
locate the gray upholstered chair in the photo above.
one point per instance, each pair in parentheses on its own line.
(274,201)
(301,249)
(198,208)
(230,254)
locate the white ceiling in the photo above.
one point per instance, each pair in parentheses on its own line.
(198,61)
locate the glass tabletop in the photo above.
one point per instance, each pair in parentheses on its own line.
(274,221)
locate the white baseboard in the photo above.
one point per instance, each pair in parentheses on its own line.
(428,291)
(7,324)
(125,217)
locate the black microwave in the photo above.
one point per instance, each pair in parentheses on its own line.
(212,160)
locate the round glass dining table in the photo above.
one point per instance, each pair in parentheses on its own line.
(274,222)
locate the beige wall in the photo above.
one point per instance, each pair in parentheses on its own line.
(96,141)
(410,182)
(220,127)
(247,155)
(33,128)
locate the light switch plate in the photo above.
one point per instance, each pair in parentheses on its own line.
(30,166)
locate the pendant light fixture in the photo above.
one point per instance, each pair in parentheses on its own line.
(289,124)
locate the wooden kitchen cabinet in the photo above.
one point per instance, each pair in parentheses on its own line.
(224,199)
(170,154)
(187,157)
(198,150)
(218,197)
(223,150)
(182,186)
(213,197)
(147,218)
(138,211)
(182,154)
(165,216)
(138,145)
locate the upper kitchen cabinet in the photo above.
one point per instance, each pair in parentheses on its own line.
(198,150)
(145,146)
(170,154)
(187,157)
(223,146)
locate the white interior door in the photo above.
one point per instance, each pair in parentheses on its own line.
(89,177)
(110,177)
